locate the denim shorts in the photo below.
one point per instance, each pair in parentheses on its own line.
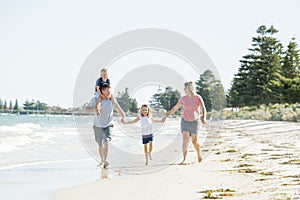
(147,138)
(102,135)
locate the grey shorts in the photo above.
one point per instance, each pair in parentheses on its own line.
(102,135)
(191,127)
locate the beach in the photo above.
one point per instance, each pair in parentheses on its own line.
(242,159)
(250,160)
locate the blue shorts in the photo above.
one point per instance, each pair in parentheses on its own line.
(147,138)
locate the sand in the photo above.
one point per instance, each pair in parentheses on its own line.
(247,160)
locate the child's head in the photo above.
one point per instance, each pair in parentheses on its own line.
(145,110)
(104,73)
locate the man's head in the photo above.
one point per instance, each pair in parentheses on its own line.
(105,89)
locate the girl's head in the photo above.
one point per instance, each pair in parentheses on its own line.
(189,88)
(145,110)
(104,73)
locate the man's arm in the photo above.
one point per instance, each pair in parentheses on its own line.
(118,108)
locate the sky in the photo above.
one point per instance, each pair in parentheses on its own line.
(43,44)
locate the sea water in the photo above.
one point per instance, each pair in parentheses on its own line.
(42,154)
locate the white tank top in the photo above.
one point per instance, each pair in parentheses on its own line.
(146,125)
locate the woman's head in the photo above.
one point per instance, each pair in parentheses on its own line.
(104,73)
(189,88)
(145,110)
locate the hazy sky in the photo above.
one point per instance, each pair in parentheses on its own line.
(43,44)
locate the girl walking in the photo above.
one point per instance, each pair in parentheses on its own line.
(146,120)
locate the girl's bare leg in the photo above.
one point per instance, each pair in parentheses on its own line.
(146,153)
(185,142)
(197,146)
(150,149)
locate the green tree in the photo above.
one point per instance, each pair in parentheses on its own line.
(211,90)
(258,79)
(133,105)
(1,105)
(29,105)
(155,102)
(5,105)
(16,106)
(164,100)
(10,108)
(291,74)
(40,106)
(123,99)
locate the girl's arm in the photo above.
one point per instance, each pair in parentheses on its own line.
(157,120)
(132,121)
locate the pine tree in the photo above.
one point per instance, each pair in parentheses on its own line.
(1,105)
(16,106)
(10,108)
(5,105)
(211,90)
(258,80)
(133,105)
(123,100)
(291,74)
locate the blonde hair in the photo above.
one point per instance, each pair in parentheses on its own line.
(103,70)
(149,110)
(191,87)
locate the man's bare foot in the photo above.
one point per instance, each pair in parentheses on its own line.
(105,165)
(199,159)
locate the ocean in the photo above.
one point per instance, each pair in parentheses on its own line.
(42,154)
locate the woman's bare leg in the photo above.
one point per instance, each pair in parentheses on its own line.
(197,146)
(185,142)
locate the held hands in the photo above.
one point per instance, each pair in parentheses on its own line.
(123,120)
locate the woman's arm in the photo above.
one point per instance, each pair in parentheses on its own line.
(173,110)
(203,108)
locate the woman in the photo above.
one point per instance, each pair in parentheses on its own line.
(191,103)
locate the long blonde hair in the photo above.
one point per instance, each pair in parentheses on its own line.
(191,87)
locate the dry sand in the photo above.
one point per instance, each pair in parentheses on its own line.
(249,160)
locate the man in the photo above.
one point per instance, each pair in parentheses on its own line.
(103,122)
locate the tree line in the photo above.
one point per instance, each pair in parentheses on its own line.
(27,105)
(207,86)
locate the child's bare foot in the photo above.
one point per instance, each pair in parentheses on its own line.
(199,159)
